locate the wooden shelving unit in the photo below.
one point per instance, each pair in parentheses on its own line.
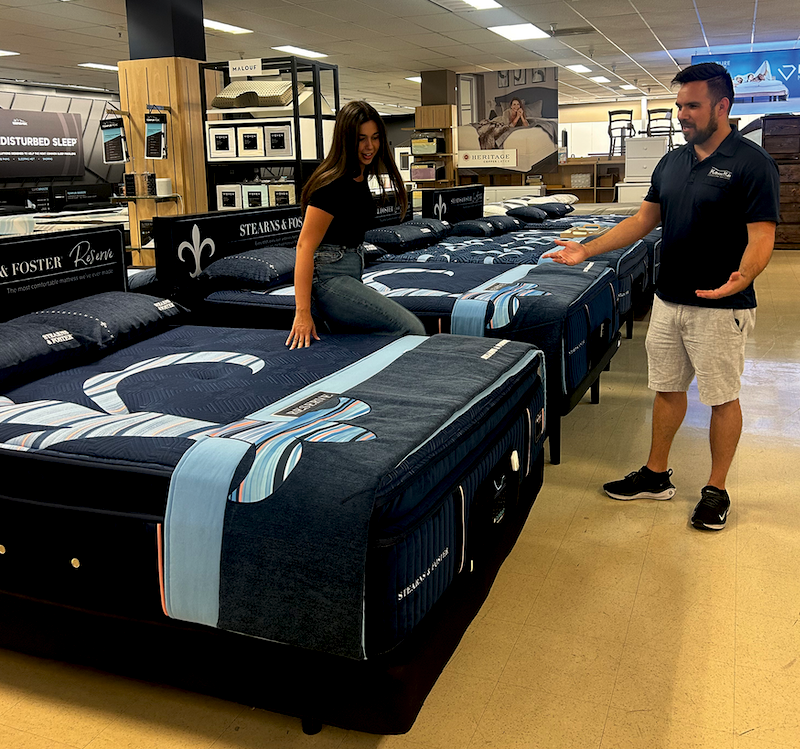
(601,169)
(440,118)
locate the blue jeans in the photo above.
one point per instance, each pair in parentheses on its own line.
(346,304)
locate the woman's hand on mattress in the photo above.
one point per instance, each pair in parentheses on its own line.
(303,331)
(571,254)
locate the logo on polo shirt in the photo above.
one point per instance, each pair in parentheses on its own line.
(721,173)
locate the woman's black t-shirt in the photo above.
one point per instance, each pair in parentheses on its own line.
(352,207)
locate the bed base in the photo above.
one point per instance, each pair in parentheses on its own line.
(381,695)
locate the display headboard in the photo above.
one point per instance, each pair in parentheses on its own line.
(453,204)
(185,245)
(41,270)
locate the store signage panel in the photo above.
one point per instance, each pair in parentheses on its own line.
(37,272)
(477,159)
(453,204)
(40,144)
(185,245)
(761,76)
(243,68)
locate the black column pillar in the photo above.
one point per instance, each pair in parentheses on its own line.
(438,87)
(165,28)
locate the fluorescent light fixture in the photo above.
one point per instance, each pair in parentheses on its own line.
(520,32)
(579,69)
(600,79)
(299,51)
(6,53)
(97,66)
(483,4)
(628,87)
(415,78)
(226,27)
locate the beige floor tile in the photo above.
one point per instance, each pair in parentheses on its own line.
(681,628)
(768,705)
(644,729)
(583,610)
(667,576)
(767,592)
(748,741)
(512,596)
(11,738)
(564,664)
(257,729)
(676,686)
(607,522)
(533,554)
(579,563)
(768,642)
(673,535)
(485,648)
(765,543)
(518,718)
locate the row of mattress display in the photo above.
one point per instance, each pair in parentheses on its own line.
(185,492)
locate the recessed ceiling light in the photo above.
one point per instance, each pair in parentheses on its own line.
(600,79)
(226,27)
(579,69)
(97,66)
(628,87)
(415,78)
(5,53)
(299,51)
(520,32)
(483,4)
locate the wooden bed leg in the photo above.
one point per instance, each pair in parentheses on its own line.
(311,726)
(554,438)
(596,390)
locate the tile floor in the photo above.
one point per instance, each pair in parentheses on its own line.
(612,625)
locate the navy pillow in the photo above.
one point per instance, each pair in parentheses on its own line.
(77,332)
(479,227)
(555,210)
(255,269)
(401,238)
(441,229)
(503,224)
(529,213)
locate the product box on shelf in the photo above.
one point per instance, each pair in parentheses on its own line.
(426,144)
(229,197)
(279,141)
(221,142)
(250,141)
(281,193)
(427,171)
(255,196)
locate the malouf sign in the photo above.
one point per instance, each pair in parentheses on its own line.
(40,144)
(498,158)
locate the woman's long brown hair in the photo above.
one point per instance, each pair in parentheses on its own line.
(342,159)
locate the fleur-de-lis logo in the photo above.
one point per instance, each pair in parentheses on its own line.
(440,209)
(196,248)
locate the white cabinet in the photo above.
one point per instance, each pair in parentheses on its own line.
(642,155)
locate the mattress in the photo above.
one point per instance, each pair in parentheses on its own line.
(196,453)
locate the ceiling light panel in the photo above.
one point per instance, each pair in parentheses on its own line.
(98,66)
(226,27)
(520,32)
(299,51)
(578,68)
(6,53)
(600,79)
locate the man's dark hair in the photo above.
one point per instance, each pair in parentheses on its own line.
(720,85)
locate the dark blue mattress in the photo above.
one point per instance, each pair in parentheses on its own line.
(570,313)
(310,497)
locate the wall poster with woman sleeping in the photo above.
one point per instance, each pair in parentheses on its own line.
(763,82)
(518,113)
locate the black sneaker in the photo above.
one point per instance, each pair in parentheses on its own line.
(712,509)
(642,484)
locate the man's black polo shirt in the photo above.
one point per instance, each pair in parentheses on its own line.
(705,208)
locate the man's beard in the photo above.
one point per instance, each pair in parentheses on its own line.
(701,136)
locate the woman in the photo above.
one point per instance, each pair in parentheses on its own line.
(516,115)
(339,209)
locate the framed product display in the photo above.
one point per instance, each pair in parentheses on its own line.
(221,142)
(255,196)
(281,193)
(229,197)
(250,141)
(279,140)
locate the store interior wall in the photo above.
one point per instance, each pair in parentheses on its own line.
(91,110)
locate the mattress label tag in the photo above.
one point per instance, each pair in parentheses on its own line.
(312,403)
(59,336)
(494,349)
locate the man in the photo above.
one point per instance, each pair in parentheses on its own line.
(717,200)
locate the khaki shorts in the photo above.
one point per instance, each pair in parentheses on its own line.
(684,341)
